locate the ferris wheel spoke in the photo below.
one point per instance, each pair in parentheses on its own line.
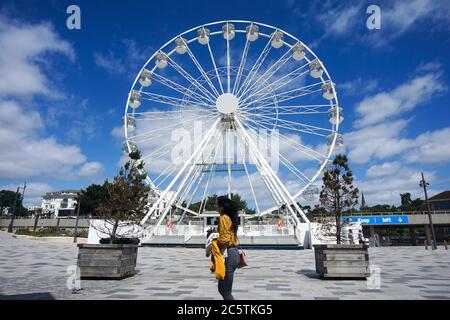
(315,155)
(215,67)
(175,102)
(255,67)
(258,83)
(172,167)
(300,175)
(302,125)
(228,60)
(181,113)
(284,113)
(159,152)
(300,109)
(278,111)
(242,64)
(293,124)
(193,81)
(181,89)
(281,82)
(191,198)
(285,96)
(193,158)
(196,174)
(210,178)
(175,164)
(194,114)
(273,121)
(202,71)
(274,193)
(203,174)
(169,127)
(279,186)
(289,164)
(249,178)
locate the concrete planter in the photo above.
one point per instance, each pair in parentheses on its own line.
(342,261)
(114,261)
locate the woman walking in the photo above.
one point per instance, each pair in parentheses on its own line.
(227,242)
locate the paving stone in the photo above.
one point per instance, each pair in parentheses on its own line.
(30,268)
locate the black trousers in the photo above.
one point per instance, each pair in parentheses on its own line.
(231,263)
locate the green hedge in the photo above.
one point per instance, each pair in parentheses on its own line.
(51,233)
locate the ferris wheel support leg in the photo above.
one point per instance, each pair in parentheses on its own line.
(194,155)
(272,185)
(192,159)
(271,174)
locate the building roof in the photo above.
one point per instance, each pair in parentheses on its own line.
(60,194)
(445,195)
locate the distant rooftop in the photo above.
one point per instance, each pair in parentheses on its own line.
(445,195)
(62,193)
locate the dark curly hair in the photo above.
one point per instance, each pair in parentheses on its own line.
(230,208)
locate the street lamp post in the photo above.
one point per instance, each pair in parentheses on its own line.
(424,185)
(76,221)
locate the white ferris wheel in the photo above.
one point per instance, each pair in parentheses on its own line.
(221,93)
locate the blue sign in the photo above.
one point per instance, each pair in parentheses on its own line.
(377,219)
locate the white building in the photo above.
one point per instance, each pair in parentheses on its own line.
(59,203)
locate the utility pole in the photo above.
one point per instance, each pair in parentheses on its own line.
(23,191)
(424,185)
(76,221)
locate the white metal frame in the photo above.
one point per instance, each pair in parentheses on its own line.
(256,93)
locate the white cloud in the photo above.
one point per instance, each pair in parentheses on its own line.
(386,189)
(430,147)
(380,141)
(384,169)
(23,47)
(27,151)
(339,20)
(384,140)
(348,19)
(26,154)
(91,169)
(385,105)
(405,14)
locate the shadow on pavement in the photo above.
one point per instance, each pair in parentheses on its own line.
(29,296)
(310,273)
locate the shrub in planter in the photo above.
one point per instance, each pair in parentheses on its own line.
(338,195)
(123,205)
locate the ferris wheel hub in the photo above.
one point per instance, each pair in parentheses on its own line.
(227,103)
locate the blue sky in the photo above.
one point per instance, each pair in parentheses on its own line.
(62,92)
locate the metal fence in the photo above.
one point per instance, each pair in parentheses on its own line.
(248,230)
(62,223)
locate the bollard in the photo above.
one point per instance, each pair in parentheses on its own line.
(426,245)
(445,245)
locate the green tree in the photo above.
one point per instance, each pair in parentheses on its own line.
(411,205)
(210,202)
(380,208)
(338,193)
(7,198)
(125,200)
(91,197)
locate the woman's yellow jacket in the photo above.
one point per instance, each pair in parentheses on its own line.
(217,264)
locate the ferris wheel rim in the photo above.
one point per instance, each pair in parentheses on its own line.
(326,73)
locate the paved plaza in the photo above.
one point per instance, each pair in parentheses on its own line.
(39,270)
